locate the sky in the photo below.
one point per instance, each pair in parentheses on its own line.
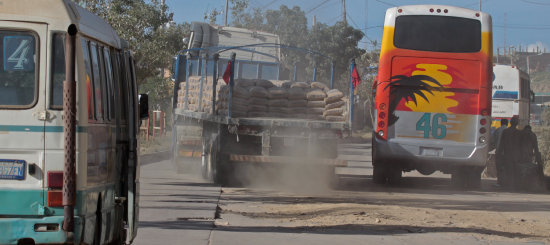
(515,22)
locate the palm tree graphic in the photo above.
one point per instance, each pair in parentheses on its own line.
(407,87)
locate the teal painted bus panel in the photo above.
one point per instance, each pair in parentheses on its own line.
(14,229)
(29,128)
(21,202)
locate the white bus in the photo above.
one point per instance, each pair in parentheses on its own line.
(511,95)
(37,195)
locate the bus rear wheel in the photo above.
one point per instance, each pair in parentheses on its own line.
(386,173)
(467,177)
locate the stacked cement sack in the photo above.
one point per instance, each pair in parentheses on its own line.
(194,93)
(297,99)
(262,98)
(335,106)
(278,102)
(240,101)
(316,100)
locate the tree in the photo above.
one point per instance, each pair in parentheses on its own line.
(152,36)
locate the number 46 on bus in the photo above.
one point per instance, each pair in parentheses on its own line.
(433,125)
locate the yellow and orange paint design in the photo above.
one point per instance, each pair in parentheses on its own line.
(464,77)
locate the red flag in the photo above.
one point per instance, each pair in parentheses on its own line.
(227,73)
(356,78)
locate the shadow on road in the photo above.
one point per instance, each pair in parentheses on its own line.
(366,229)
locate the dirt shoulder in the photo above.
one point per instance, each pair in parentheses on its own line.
(487,215)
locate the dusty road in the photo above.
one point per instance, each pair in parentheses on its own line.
(181,209)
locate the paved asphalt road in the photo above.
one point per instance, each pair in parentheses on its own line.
(180,208)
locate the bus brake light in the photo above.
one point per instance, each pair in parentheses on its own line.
(55,198)
(483,121)
(381,124)
(484,112)
(55,179)
(382,107)
(382,115)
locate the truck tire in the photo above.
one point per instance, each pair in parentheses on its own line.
(205,160)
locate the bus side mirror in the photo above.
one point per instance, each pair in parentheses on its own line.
(143,106)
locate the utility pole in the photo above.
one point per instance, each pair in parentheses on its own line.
(504,34)
(226,10)
(344,14)
(314,22)
(480,5)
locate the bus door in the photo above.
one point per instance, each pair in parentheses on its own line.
(22,117)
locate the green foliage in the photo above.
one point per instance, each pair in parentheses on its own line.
(153,37)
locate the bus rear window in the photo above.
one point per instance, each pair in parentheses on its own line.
(437,33)
(17,69)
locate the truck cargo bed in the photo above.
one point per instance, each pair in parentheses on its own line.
(263,121)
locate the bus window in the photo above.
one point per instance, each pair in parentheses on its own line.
(97,82)
(109,75)
(89,79)
(57,71)
(437,33)
(249,71)
(123,86)
(119,88)
(104,92)
(270,72)
(18,74)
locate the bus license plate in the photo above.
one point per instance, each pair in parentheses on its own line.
(12,169)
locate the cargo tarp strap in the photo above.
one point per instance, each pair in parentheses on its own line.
(69,126)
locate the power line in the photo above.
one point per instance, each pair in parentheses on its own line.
(316,6)
(353,22)
(267,5)
(536,3)
(386,3)
(523,27)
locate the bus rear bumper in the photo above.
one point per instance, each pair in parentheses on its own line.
(436,155)
(42,230)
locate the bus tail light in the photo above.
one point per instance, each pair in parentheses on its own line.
(482,130)
(55,186)
(484,112)
(382,115)
(55,198)
(55,179)
(381,124)
(483,121)
(382,107)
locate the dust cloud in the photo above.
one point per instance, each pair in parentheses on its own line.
(298,173)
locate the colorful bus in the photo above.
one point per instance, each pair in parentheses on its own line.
(56,188)
(433,95)
(511,95)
